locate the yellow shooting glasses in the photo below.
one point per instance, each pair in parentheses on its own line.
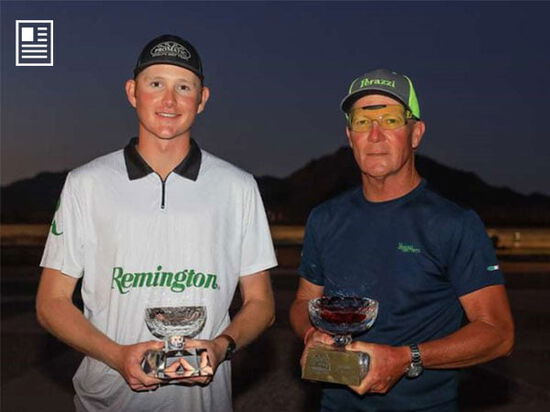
(388,117)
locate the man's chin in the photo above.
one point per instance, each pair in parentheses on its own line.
(170,137)
(377,170)
(167,138)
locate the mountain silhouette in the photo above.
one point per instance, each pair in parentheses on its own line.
(289,200)
(32,200)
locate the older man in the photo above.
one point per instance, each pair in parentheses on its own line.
(426,260)
(159,223)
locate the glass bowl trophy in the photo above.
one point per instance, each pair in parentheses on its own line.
(340,317)
(173,324)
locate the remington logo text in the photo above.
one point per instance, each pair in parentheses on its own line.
(177,282)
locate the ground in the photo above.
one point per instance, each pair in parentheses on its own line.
(36,368)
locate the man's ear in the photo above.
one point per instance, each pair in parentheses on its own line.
(205,95)
(419,129)
(130,88)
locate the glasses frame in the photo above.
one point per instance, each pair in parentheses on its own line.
(407,114)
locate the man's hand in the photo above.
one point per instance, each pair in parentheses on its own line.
(181,369)
(314,337)
(387,366)
(213,355)
(128,364)
(210,354)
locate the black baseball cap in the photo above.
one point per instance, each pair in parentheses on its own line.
(170,49)
(386,81)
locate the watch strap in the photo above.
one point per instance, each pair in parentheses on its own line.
(231,346)
(416,357)
(415,368)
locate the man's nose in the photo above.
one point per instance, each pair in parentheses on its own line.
(169,97)
(375,132)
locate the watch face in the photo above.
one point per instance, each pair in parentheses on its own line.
(414,370)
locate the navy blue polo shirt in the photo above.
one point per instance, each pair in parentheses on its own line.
(416,255)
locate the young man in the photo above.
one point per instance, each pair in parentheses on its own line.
(159,223)
(427,261)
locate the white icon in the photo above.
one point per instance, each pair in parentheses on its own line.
(34,42)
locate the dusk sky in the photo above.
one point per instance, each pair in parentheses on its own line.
(277,72)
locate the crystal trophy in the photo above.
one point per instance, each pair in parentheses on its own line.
(172,325)
(341,317)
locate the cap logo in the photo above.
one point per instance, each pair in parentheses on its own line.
(379,82)
(172,49)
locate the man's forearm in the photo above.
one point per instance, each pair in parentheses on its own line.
(57,314)
(257,312)
(299,317)
(488,335)
(253,318)
(475,343)
(299,311)
(62,319)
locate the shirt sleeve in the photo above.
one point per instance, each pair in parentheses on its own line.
(64,250)
(257,253)
(311,267)
(472,261)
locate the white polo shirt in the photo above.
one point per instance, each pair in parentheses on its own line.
(139,242)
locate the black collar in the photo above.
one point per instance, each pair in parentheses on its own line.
(137,167)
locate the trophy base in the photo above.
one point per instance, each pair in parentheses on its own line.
(176,364)
(335,365)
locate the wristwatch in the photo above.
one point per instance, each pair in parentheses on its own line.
(231,346)
(415,368)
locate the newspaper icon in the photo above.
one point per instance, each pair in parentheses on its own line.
(34,42)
